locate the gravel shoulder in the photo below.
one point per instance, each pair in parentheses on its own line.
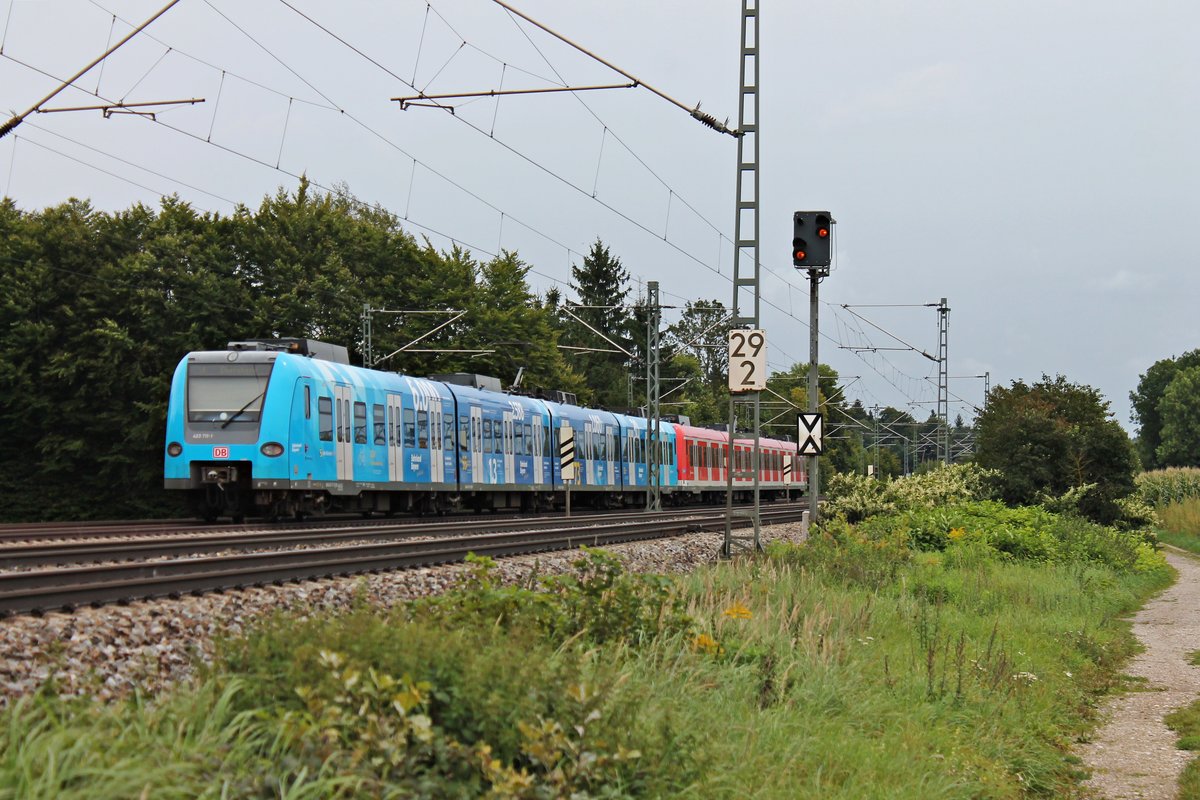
(1134,755)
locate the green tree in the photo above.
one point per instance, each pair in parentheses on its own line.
(1179,410)
(601,286)
(1146,401)
(1052,436)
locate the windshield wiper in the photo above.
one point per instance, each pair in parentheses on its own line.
(241,410)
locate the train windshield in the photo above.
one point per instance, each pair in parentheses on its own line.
(227,393)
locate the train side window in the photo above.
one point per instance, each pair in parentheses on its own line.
(307,401)
(325,419)
(394,424)
(487,436)
(508,437)
(464,433)
(410,428)
(360,423)
(519,437)
(340,420)
(422,429)
(447,431)
(377,420)
(545,440)
(498,437)
(528,440)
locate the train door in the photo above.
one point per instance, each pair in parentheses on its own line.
(509,468)
(436,463)
(589,464)
(301,438)
(345,434)
(612,458)
(539,434)
(477,444)
(395,437)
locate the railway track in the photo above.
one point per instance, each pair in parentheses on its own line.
(41,590)
(201,540)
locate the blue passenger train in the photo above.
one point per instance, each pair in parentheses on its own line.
(288,427)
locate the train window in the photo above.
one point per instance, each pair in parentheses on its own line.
(507,427)
(447,431)
(325,419)
(410,428)
(307,401)
(360,423)
(341,420)
(464,433)
(394,426)
(380,426)
(528,440)
(498,437)
(487,436)
(519,435)
(422,429)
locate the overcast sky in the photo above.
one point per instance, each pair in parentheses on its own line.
(1035,163)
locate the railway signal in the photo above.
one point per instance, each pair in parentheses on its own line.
(812,239)
(810,435)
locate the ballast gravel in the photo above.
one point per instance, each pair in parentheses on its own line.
(109,652)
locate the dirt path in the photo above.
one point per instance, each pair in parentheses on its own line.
(1134,754)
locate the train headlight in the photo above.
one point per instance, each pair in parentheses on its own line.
(272,449)
(174,449)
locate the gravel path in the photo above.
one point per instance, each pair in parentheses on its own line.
(1134,754)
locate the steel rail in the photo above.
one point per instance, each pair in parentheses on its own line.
(37,591)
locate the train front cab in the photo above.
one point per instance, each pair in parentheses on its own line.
(227,428)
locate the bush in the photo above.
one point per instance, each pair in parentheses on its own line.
(857,497)
(1019,534)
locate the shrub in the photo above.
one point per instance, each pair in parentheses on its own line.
(1021,534)
(857,497)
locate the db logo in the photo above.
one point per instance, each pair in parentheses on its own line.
(220,452)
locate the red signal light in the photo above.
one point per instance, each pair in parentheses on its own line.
(799,255)
(823,233)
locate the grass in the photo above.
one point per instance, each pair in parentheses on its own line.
(849,668)
(1181,524)
(1181,527)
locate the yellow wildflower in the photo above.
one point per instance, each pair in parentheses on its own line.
(706,644)
(737,611)
(957,533)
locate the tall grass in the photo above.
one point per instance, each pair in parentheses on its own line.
(1164,486)
(1181,523)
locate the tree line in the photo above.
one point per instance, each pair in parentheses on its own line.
(97,308)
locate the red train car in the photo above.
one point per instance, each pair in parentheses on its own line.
(704,462)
